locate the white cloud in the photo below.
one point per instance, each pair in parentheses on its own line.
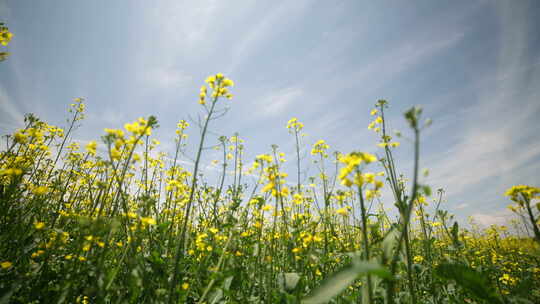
(10,113)
(462,205)
(497,218)
(401,58)
(162,77)
(180,26)
(264,29)
(480,155)
(279,101)
(112,118)
(498,123)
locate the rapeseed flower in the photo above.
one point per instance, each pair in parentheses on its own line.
(6,264)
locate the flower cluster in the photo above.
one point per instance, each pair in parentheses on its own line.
(522,193)
(352,162)
(320,148)
(293,125)
(5,35)
(219,85)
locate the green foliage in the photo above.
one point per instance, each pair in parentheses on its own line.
(341,279)
(474,282)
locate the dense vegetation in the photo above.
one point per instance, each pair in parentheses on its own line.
(119,222)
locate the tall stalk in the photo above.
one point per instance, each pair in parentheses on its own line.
(365,239)
(220,83)
(406,207)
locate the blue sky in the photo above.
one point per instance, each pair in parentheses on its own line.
(474,66)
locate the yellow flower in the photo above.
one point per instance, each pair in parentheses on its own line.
(522,192)
(10,171)
(20,137)
(182,124)
(210,79)
(39,225)
(418,259)
(320,147)
(352,161)
(40,190)
(267,207)
(185,286)
(227,82)
(264,157)
(115,132)
(148,220)
(5,35)
(37,253)
(115,154)
(6,265)
(284,191)
(507,279)
(294,124)
(268,187)
(91,147)
(342,211)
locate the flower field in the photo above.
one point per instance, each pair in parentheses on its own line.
(117,221)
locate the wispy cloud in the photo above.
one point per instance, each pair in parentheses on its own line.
(9,111)
(496,134)
(279,101)
(163,78)
(387,66)
(462,205)
(497,218)
(264,30)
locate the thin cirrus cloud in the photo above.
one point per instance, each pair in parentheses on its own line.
(496,146)
(9,111)
(167,77)
(279,101)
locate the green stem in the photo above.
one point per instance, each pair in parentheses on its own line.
(181,244)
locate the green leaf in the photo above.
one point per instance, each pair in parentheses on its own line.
(455,231)
(289,280)
(473,282)
(390,242)
(227,282)
(216,296)
(427,190)
(338,281)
